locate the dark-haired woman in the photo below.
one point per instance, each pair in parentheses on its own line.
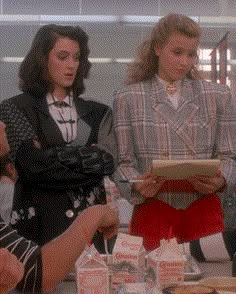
(58,140)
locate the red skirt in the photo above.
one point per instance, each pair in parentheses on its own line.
(154,220)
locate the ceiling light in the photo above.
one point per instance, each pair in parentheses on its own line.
(12,59)
(78,18)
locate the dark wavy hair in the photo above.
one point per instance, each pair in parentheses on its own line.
(33,72)
(145,65)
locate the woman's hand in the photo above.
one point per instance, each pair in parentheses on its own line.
(208,185)
(150,185)
(109,221)
(11,271)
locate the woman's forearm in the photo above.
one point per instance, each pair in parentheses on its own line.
(59,255)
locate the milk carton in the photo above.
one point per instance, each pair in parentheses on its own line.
(128,260)
(165,265)
(92,276)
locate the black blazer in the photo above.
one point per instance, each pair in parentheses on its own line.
(48,195)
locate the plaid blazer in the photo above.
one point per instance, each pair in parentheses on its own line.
(148,127)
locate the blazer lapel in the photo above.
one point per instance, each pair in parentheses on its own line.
(178,119)
(83,128)
(48,130)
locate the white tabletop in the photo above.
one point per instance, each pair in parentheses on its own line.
(223,268)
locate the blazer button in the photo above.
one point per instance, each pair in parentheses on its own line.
(76,203)
(69,213)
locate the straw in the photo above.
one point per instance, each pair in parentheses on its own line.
(86,237)
(170,233)
(129,227)
(106,246)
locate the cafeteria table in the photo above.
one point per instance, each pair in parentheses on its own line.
(209,269)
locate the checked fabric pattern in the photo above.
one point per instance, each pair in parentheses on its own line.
(18,127)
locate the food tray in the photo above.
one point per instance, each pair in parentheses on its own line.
(192,269)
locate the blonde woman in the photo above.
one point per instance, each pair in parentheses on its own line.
(168,112)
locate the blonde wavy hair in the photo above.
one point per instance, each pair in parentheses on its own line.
(145,65)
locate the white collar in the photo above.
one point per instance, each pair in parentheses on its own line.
(178,83)
(51,99)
